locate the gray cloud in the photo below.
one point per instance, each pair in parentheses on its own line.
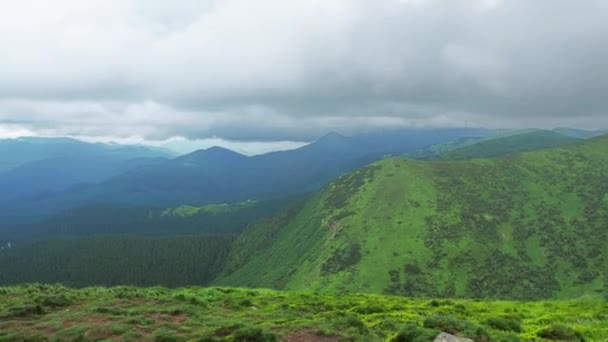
(275,70)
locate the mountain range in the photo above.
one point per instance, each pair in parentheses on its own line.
(525,226)
(214,175)
(522,225)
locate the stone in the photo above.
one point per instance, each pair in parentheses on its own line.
(445,337)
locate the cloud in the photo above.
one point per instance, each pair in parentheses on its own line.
(277,70)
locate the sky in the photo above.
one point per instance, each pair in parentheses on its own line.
(277,73)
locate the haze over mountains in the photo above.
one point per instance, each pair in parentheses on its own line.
(215,175)
(395,226)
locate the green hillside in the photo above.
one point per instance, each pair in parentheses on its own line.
(525,226)
(504,145)
(432,151)
(55,313)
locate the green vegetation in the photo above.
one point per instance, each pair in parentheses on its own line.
(122,219)
(117,260)
(432,151)
(55,313)
(525,226)
(133,246)
(503,145)
(189,211)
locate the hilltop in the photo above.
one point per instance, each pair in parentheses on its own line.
(526,226)
(510,144)
(503,143)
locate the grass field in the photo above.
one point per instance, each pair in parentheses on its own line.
(55,313)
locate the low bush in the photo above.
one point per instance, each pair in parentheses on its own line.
(249,334)
(559,332)
(412,332)
(164,335)
(504,324)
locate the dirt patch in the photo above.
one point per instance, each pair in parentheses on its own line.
(93,320)
(309,336)
(179,318)
(103,333)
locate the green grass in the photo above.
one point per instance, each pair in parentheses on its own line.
(503,145)
(526,226)
(189,211)
(54,313)
(506,143)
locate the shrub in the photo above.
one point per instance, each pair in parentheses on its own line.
(249,334)
(23,310)
(369,309)
(352,321)
(164,335)
(412,332)
(505,324)
(54,301)
(508,337)
(560,333)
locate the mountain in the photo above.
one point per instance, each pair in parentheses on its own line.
(218,175)
(502,143)
(45,176)
(433,151)
(17,152)
(523,226)
(499,146)
(579,133)
(40,166)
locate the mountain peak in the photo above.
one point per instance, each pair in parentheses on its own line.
(215,153)
(219,149)
(332,136)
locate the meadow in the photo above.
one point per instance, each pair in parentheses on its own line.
(34,312)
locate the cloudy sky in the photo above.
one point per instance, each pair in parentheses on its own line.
(275,70)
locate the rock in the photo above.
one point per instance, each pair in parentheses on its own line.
(445,337)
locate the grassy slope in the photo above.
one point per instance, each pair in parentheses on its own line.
(225,208)
(432,151)
(494,146)
(43,313)
(509,144)
(526,226)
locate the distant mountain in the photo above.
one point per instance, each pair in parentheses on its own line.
(524,226)
(504,145)
(17,152)
(218,175)
(432,151)
(43,177)
(39,167)
(579,133)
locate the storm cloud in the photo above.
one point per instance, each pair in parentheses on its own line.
(292,70)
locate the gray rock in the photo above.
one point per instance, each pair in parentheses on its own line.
(445,337)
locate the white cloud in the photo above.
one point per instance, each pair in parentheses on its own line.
(292,69)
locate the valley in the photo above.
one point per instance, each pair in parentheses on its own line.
(506,233)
